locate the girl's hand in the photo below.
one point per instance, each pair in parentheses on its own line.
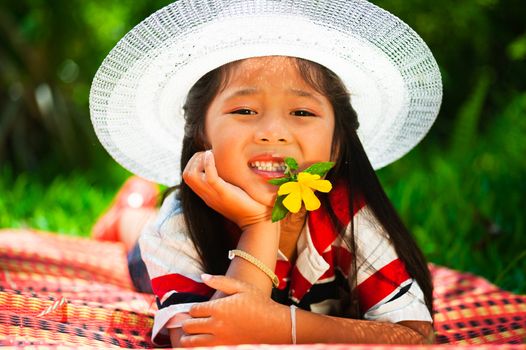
(230,201)
(244,316)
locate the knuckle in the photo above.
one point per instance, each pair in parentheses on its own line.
(186,174)
(186,327)
(194,310)
(211,180)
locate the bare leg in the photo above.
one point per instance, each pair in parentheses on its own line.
(131,224)
(134,205)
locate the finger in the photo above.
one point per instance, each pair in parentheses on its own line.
(212,177)
(196,325)
(197,340)
(198,169)
(195,177)
(191,169)
(210,169)
(225,284)
(202,310)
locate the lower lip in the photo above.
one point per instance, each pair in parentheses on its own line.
(268,174)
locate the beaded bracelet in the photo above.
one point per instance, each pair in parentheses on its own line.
(255,262)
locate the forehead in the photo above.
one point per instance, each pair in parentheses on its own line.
(266,69)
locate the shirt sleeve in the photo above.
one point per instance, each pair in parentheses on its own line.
(386,291)
(173,264)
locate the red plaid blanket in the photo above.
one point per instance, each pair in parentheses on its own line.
(70,291)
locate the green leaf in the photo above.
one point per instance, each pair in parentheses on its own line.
(280,181)
(291,163)
(279,211)
(319,168)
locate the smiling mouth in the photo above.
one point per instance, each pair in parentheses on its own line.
(268,166)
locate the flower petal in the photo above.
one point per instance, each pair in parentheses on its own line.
(321,185)
(306,177)
(289,187)
(309,198)
(293,201)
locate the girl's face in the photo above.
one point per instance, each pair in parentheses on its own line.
(264,113)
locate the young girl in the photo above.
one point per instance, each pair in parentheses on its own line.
(260,81)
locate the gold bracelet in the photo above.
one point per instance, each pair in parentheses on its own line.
(255,262)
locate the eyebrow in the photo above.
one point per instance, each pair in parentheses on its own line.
(242,92)
(251,91)
(303,93)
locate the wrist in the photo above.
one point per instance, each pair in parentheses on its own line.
(261,227)
(280,316)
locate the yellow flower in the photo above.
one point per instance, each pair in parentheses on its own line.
(303,190)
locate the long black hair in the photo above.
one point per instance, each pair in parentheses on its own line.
(211,233)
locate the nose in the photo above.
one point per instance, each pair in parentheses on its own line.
(272,129)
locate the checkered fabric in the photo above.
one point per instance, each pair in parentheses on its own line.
(69,291)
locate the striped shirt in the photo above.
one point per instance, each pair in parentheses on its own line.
(317,281)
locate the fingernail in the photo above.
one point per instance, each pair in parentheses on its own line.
(206,277)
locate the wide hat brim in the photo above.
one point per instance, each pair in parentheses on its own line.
(138,92)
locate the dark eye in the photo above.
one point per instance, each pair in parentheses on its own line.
(244,111)
(302,113)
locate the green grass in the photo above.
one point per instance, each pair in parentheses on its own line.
(463,201)
(68,204)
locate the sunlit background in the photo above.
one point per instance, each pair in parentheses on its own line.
(461,191)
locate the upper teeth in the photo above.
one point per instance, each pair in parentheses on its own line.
(268,166)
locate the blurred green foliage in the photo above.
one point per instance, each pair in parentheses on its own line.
(69,204)
(464,202)
(49,53)
(461,191)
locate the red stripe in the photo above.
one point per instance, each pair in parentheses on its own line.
(327,274)
(343,259)
(321,230)
(300,285)
(329,257)
(339,202)
(381,284)
(179,283)
(323,233)
(282,271)
(320,225)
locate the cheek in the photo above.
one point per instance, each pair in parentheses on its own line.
(227,159)
(319,145)
(226,168)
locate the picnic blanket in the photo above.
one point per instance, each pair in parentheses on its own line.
(71,291)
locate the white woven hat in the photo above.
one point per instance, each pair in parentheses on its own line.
(138,92)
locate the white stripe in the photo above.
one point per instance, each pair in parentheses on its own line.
(374,249)
(310,264)
(168,249)
(408,307)
(164,315)
(393,293)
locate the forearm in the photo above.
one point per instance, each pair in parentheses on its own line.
(315,328)
(261,241)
